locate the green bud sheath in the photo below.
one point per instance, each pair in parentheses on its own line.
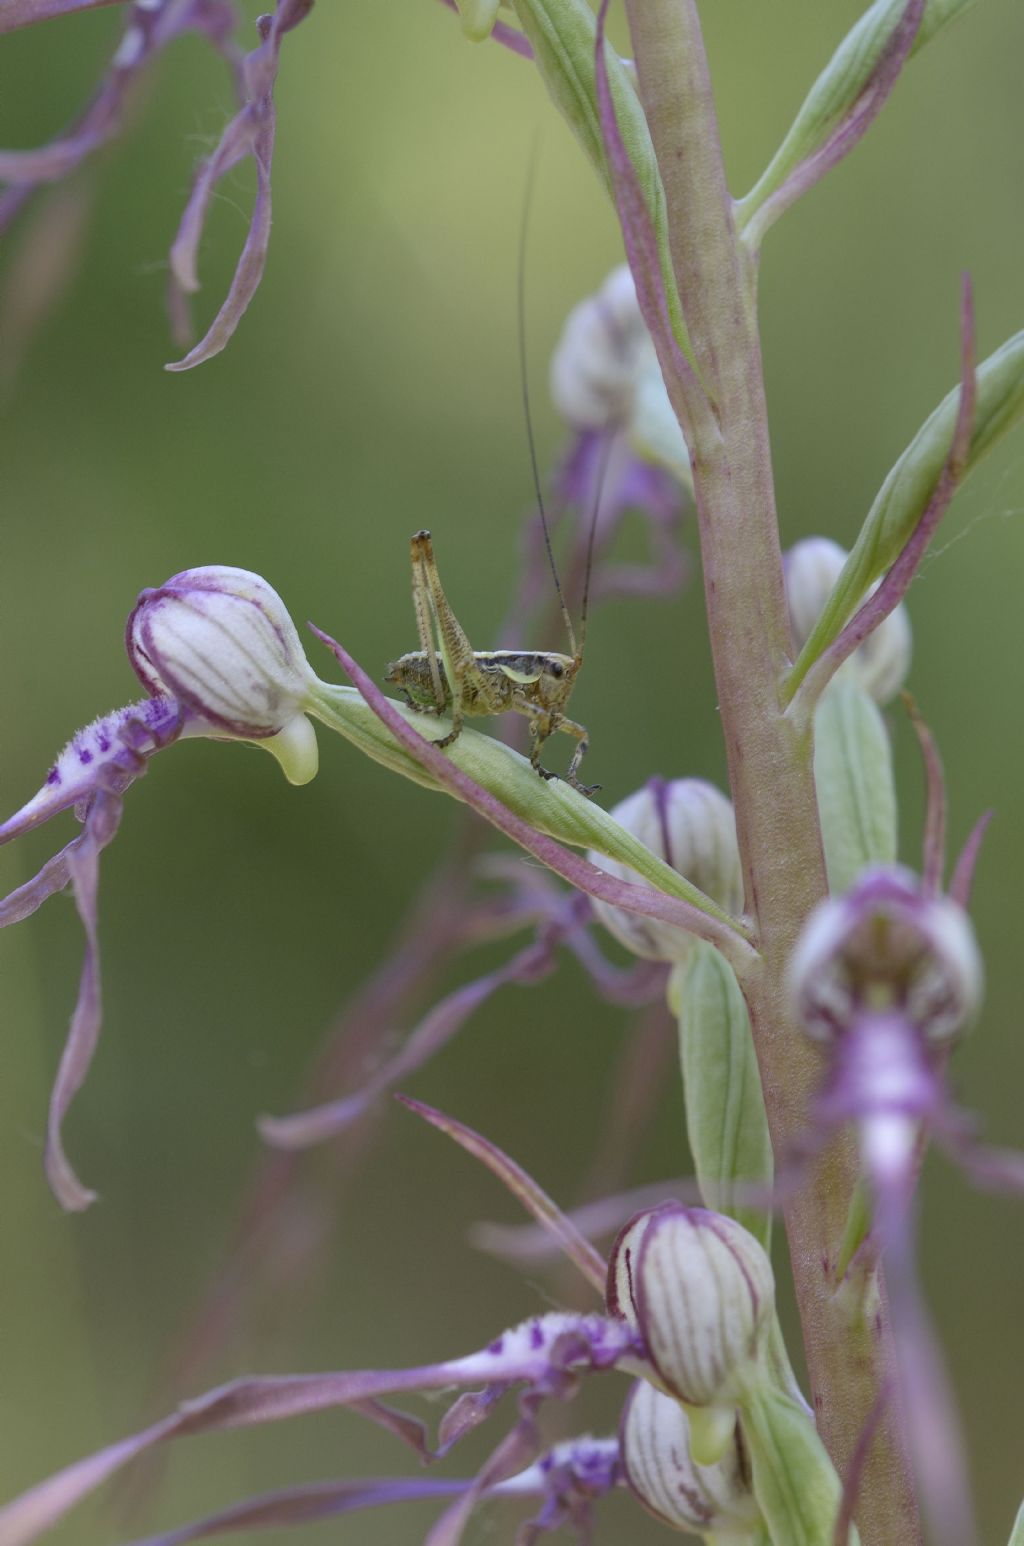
(551,807)
(856,790)
(796,1487)
(839,86)
(725,1116)
(1017,1534)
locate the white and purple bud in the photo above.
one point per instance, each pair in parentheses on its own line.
(690,825)
(881,663)
(605,376)
(700,1291)
(889,947)
(219,640)
(708,1500)
(603,352)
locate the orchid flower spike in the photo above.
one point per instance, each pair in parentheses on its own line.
(219,655)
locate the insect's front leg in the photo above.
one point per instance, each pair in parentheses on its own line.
(571,727)
(457,720)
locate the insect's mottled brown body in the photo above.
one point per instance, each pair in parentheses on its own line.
(450,675)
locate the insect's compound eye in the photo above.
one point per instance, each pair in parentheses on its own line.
(556,668)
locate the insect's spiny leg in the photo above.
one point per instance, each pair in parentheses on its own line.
(457,721)
(426,619)
(455,646)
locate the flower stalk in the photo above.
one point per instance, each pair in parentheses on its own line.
(770,758)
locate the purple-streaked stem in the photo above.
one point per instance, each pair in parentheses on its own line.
(770,758)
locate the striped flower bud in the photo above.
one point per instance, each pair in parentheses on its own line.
(887,946)
(699,1290)
(881,663)
(220,641)
(690,825)
(707,1500)
(605,376)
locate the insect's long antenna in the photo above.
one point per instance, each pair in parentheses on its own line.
(531,178)
(602,470)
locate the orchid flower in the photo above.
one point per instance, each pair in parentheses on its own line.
(220,657)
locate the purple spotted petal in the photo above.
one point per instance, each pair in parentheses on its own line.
(109,754)
(250,133)
(544,1353)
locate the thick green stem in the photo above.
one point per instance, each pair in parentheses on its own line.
(770,759)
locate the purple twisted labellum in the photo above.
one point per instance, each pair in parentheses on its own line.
(308,1505)
(578,872)
(562,1231)
(600,467)
(92,772)
(568,1477)
(896,582)
(510,37)
(638,230)
(850,131)
(150,26)
(101,825)
(434,1031)
(250,133)
(931,1422)
(542,1353)
(25,13)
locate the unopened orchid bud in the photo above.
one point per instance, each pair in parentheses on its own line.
(708,1500)
(690,825)
(699,1289)
(881,663)
(887,946)
(605,375)
(220,641)
(604,348)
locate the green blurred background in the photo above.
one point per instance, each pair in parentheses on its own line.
(373,388)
